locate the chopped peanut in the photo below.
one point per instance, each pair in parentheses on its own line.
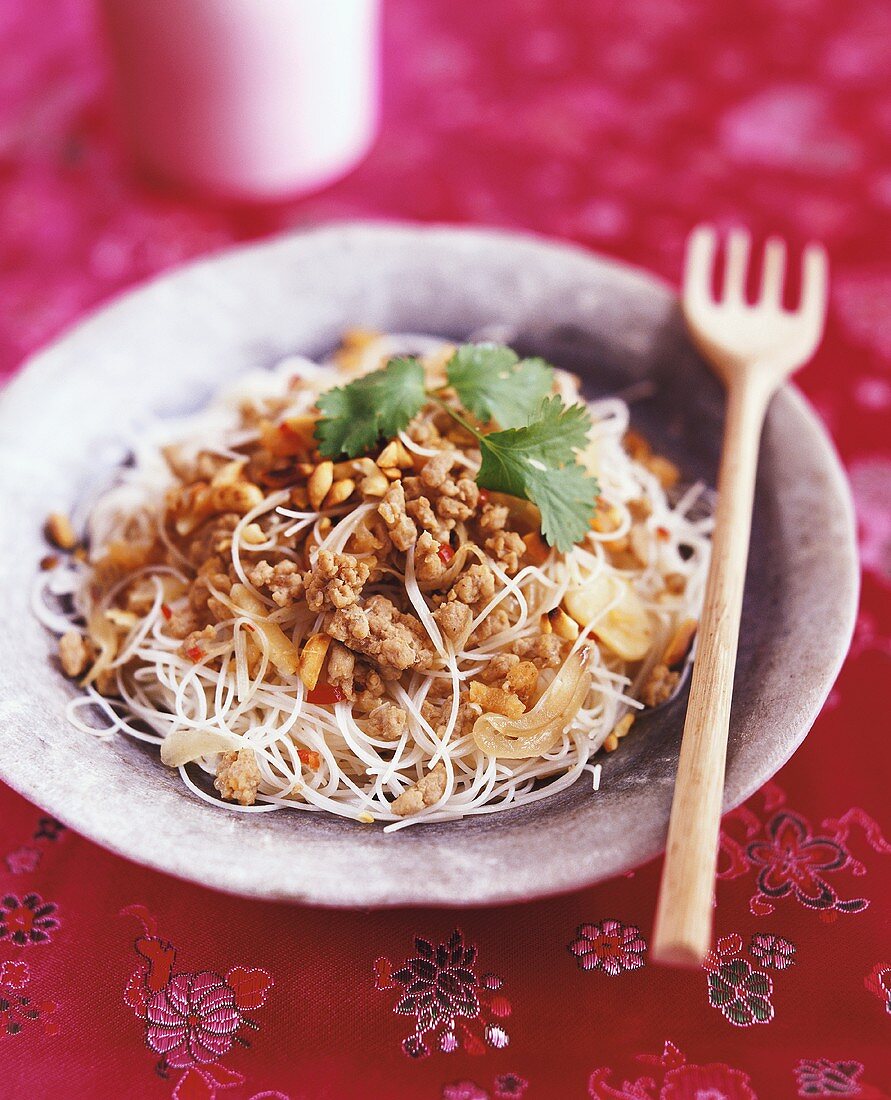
(537,550)
(312,658)
(339,492)
(374,485)
(73,654)
(319,484)
(563,625)
(667,474)
(680,643)
(624,724)
(395,454)
(606,517)
(60,532)
(253,534)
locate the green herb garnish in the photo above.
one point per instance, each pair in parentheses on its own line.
(537,462)
(532,456)
(494,384)
(378,405)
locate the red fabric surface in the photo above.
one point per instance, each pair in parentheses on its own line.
(619,126)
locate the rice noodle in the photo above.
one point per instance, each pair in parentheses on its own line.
(256,700)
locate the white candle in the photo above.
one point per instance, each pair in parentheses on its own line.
(247,98)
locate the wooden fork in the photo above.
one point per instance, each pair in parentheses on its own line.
(753,349)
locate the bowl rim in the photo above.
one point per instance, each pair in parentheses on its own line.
(92,826)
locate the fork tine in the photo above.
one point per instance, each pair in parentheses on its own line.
(698,266)
(814,276)
(773,272)
(738,245)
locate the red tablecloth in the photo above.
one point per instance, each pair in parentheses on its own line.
(619,126)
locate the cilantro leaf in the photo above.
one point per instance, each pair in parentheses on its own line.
(375,406)
(494,384)
(537,463)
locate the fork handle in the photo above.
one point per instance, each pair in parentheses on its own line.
(684,914)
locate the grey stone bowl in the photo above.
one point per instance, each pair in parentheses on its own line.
(167,346)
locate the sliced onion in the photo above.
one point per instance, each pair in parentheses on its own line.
(184,746)
(282,651)
(539,730)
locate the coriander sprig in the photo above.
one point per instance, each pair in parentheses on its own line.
(531,454)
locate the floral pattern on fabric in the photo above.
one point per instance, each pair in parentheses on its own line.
(739,990)
(17,1009)
(741,993)
(609,946)
(674,1079)
(27,920)
(774,952)
(450,1003)
(25,859)
(790,859)
(191,1019)
(506,1086)
(878,982)
(820,1077)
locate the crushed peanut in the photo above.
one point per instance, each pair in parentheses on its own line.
(60,532)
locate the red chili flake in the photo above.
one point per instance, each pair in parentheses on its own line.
(325,694)
(663,534)
(446,553)
(484,496)
(166,611)
(310,758)
(194,652)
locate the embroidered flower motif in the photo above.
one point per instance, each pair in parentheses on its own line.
(16,1008)
(878,982)
(27,920)
(509,1085)
(741,993)
(790,860)
(506,1086)
(192,1019)
(48,828)
(441,989)
(464,1090)
(439,983)
(14,975)
(820,1077)
(772,951)
(676,1080)
(715,1081)
(23,860)
(608,945)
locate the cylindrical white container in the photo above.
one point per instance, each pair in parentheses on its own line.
(255,99)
